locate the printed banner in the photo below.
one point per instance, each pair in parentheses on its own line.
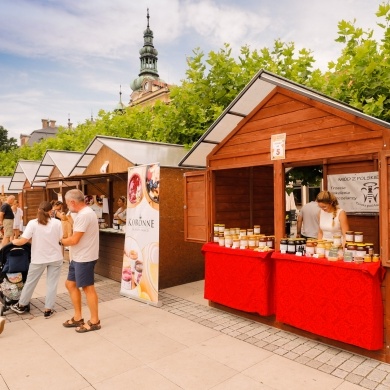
(356,192)
(140,269)
(95,202)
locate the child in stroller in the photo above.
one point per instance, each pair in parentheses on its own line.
(14,263)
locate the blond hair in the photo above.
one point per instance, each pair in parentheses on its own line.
(329,198)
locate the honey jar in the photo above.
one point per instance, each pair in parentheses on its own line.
(367,258)
(256,229)
(244,242)
(310,248)
(283,245)
(375,258)
(349,236)
(320,249)
(252,241)
(358,236)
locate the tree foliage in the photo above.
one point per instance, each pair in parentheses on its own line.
(6,144)
(359,77)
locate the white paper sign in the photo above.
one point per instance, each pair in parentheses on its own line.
(356,192)
(278,146)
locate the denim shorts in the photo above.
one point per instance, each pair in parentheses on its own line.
(82,273)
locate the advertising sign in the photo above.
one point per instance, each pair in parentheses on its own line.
(356,192)
(141,253)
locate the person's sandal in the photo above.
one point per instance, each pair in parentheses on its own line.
(92,327)
(72,323)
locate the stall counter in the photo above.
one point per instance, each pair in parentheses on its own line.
(338,300)
(239,278)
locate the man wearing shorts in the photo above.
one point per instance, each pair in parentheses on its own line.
(7,219)
(84,243)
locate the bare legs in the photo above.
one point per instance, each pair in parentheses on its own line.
(92,301)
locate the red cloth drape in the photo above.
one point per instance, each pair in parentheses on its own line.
(238,278)
(338,300)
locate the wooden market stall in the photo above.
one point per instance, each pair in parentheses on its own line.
(29,193)
(102,170)
(243,183)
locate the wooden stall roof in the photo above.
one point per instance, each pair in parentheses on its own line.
(24,171)
(261,85)
(4,185)
(137,152)
(63,160)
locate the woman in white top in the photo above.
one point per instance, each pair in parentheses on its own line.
(18,218)
(333,219)
(120,214)
(46,254)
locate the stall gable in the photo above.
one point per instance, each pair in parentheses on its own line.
(312,129)
(116,163)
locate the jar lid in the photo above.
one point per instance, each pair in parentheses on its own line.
(349,232)
(358,233)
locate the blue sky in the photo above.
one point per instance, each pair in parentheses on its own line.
(61,59)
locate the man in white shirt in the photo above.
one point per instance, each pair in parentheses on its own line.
(84,243)
(308,220)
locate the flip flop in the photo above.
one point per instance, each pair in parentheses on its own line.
(72,323)
(92,327)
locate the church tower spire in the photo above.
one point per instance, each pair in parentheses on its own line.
(148,59)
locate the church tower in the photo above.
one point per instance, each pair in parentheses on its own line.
(148,87)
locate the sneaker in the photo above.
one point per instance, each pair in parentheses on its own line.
(20,309)
(48,313)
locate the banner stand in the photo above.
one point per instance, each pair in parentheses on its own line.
(140,270)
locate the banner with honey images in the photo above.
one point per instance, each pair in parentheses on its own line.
(141,252)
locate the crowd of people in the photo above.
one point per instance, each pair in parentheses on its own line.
(53,229)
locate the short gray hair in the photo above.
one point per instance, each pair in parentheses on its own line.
(75,195)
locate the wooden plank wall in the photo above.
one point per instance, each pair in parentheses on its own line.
(196,226)
(245,197)
(180,261)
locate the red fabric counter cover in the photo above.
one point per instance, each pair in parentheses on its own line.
(338,300)
(238,278)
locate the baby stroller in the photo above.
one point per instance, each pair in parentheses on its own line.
(14,264)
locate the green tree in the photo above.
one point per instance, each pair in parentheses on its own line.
(6,144)
(361,75)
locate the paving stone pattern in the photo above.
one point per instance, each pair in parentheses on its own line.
(359,370)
